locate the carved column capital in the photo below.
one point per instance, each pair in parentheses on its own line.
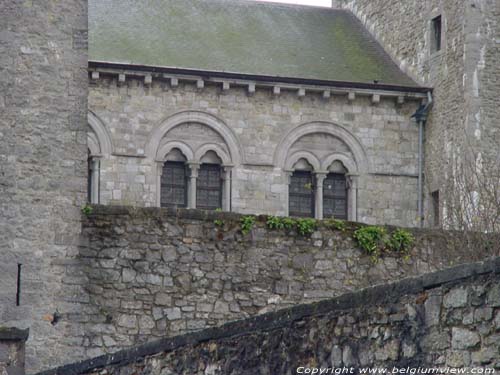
(194,167)
(320,177)
(287,173)
(352,180)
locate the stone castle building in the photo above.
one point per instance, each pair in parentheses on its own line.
(243,106)
(276,109)
(285,110)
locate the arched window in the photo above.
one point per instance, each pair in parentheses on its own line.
(99,151)
(335,192)
(209,183)
(174,181)
(301,193)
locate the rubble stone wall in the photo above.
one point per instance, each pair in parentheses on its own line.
(448,320)
(147,273)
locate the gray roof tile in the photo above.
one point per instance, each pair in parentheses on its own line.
(241,37)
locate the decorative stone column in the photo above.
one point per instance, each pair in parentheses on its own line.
(318,208)
(352,196)
(226,198)
(94,179)
(194,168)
(159,172)
(287,175)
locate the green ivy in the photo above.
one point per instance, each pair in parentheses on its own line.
(275,222)
(401,241)
(372,239)
(288,223)
(87,209)
(219,223)
(336,224)
(305,227)
(247,223)
(375,240)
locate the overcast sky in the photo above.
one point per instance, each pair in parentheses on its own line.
(325,3)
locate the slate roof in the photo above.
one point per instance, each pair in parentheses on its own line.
(240,36)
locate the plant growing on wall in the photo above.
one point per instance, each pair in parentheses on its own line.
(247,223)
(336,224)
(401,241)
(87,209)
(275,222)
(306,227)
(375,240)
(218,222)
(372,239)
(288,223)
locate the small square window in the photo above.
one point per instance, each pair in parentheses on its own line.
(436,34)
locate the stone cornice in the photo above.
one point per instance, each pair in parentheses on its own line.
(277,85)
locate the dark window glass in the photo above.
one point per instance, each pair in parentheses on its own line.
(209,187)
(335,196)
(173,185)
(436,34)
(301,195)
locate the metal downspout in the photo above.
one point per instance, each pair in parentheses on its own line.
(420,173)
(421,117)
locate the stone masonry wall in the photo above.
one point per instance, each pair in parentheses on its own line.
(132,111)
(43,105)
(462,128)
(448,320)
(149,273)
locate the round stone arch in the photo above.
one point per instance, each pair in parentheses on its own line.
(309,156)
(169,146)
(100,147)
(335,130)
(351,179)
(93,144)
(197,117)
(200,152)
(346,160)
(102,139)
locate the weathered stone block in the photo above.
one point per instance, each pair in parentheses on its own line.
(463,338)
(456,298)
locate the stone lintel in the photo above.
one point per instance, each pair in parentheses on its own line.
(13,334)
